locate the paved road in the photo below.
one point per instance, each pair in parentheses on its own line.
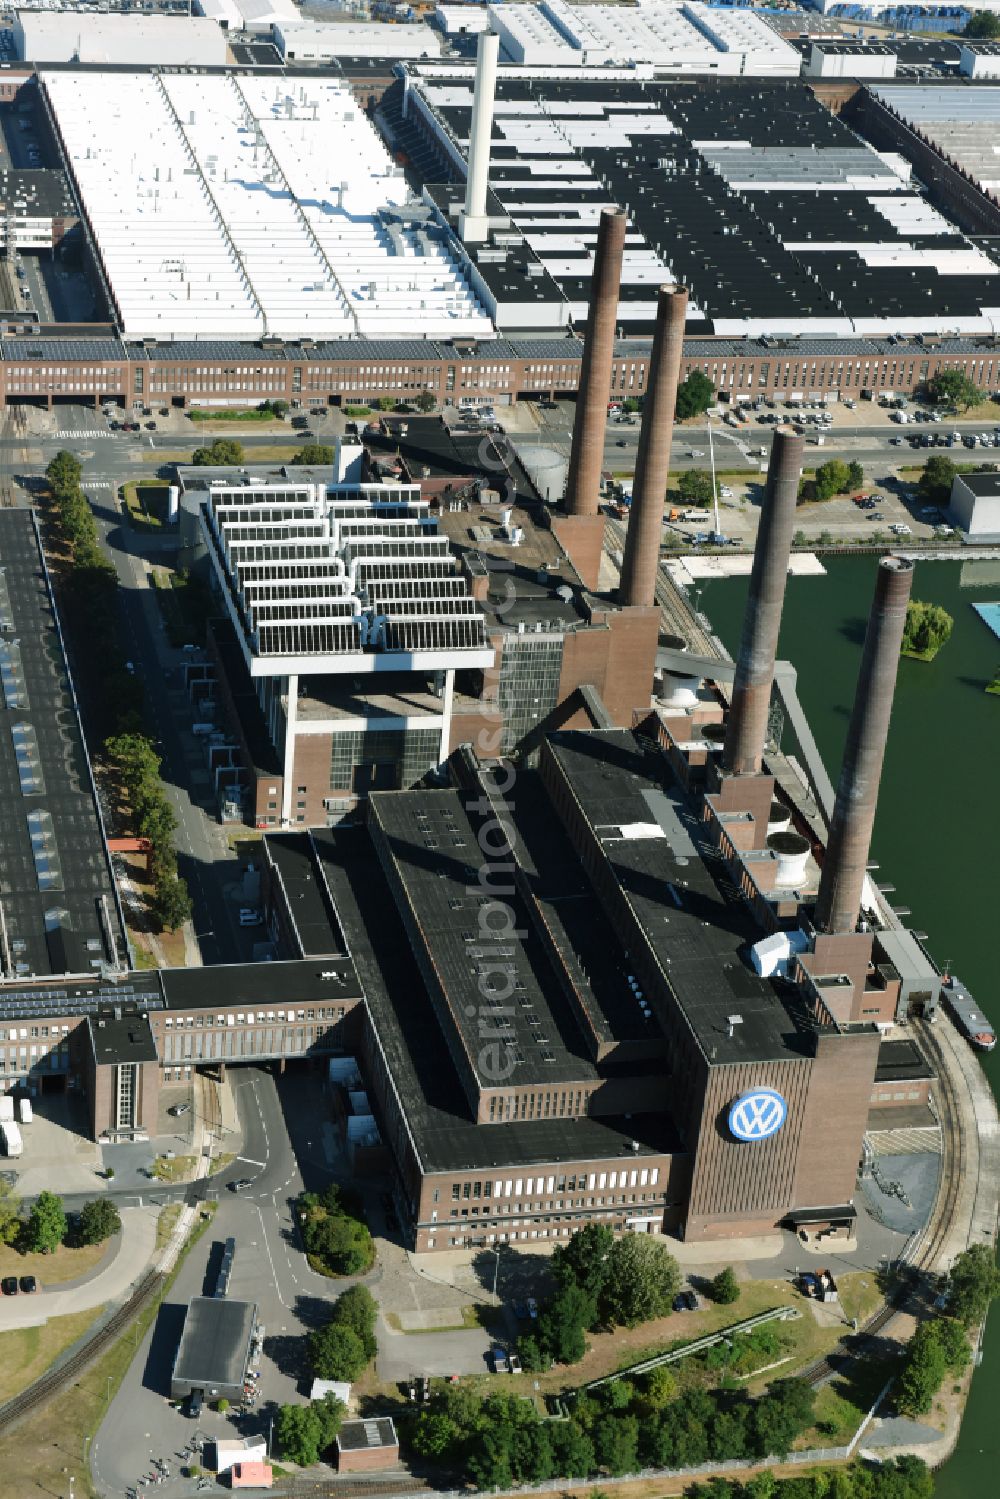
(270,1270)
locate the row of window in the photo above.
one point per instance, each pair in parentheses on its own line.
(251,1017)
(562,1105)
(456,1241)
(497,1209)
(525,1186)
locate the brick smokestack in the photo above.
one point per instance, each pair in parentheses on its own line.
(746,727)
(838,904)
(586,459)
(652,465)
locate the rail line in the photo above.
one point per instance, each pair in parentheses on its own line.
(926,1251)
(676,615)
(50,1384)
(350,1488)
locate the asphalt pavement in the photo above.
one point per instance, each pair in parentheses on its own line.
(276,1116)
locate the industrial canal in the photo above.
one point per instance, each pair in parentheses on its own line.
(937,834)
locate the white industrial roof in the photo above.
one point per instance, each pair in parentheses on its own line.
(687,37)
(254,206)
(118,38)
(259,15)
(457,18)
(306,40)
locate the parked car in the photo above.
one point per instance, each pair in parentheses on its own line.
(177,1109)
(29,1285)
(9,1285)
(195,1401)
(515,1364)
(520,1310)
(498,1358)
(250,917)
(686,1301)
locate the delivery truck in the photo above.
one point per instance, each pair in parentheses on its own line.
(10,1138)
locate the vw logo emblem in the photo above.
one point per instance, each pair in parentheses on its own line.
(757,1115)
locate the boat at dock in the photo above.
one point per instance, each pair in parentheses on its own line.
(966,1013)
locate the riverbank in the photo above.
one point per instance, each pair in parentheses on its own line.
(938,822)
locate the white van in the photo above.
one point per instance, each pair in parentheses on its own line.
(25,1108)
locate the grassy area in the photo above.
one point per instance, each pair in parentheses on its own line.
(41,1456)
(177,1169)
(231,414)
(146,504)
(842,1404)
(994,687)
(474,1315)
(166,1223)
(220,1162)
(803,1338)
(185,603)
(52,1269)
(26,1353)
(927,655)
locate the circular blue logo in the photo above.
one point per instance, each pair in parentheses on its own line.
(757,1115)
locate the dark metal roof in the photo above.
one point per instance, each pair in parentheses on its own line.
(438,1120)
(59,902)
(901,1061)
(304,896)
(215,1343)
(356,1436)
(120,1038)
(261,985)
(37,346)
(692,916)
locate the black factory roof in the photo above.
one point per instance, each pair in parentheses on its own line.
(421,1072)
(329,980)
(48,1000)
(59,903)
(359,1436)
(35,193)
(117,1037)
(985,484)
(305,898)
(215,1343)
(691,915)
(715,234)
(900,1061)
(430,842)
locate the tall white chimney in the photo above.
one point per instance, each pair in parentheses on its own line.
(473,225)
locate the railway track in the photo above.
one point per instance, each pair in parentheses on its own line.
(676,615)
(350,1488)
(43,1390)
(928,1249)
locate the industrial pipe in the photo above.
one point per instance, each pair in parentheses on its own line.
(586,460)
(641,561)
(746,727)
(838,904)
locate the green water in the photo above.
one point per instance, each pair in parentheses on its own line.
(937,835)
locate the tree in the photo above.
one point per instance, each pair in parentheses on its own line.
(562,1323)
(954,388)
(982,26)
(855,474)
(643,1280)
(222,1405)
(342,1242)
(276,408)
(305,1431)
(314,452)
(973,1283)
(11,1222)
(99,1220)
(46,1227)
(781,1415)
(426,401)
(694,395)
(171,904)
(355,1308)
(584,1260)
(336,1352)
(937,479)
(64,472)
(695,487)
(616,1443)
(725,1287)
(572,1450)
(386,403)
(832,477)
(223,451)
(926,1366)
(928,627)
